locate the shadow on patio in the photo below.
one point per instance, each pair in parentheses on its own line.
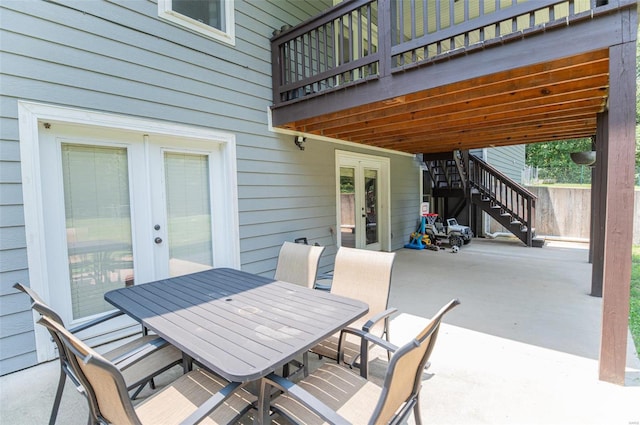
(521,348)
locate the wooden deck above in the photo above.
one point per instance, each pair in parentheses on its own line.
(545,82)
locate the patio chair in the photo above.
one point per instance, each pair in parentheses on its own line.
(298,263)
(153,354)
(195,397)
(366,276)
(337,395)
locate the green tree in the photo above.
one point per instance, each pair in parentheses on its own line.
(555,154)
(554,162)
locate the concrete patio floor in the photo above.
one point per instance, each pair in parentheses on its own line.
(522,348)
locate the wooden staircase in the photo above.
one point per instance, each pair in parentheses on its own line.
(467,177)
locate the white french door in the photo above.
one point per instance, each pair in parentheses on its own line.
(122,208)
(363,201)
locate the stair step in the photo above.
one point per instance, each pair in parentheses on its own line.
(538,242)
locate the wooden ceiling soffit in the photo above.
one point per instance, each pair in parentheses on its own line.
(494,137)
(476,113)
(501,88)
(547,101)
(480,118)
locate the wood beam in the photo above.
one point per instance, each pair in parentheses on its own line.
(620,147)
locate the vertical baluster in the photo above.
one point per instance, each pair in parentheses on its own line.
(360,39)
(369,39)
(318,69)
(296,76)
(532,19)
(414,57)
(466,15)
(351,41)
(452,13)
(327,63)
(452,22)
(303,58)
(425,18)
(572,7)
(331,50)
(413,19)
(284,60)
(552,13)
(350,36)
(341,53)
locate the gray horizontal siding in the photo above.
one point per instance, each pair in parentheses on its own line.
(119,57)
(509,160)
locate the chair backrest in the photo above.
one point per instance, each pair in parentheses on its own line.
(298,263)
(102,381)
(366,276)
(403,379)
(38,304)
(42,308)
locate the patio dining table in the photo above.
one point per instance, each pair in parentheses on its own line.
(239,325)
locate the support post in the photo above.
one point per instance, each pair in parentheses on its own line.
(618,220)
(598,204)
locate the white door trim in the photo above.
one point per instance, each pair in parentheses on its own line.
(384,195)
(31,115)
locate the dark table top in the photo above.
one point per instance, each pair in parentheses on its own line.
(240,325)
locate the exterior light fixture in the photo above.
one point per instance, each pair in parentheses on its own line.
(587,158)
(584,158)
(299,141)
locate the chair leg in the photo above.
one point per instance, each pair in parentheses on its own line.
(416,413)
(305,364)
(56,401)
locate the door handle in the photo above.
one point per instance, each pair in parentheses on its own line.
(158,240)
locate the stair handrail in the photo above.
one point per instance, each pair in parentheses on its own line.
(504,177)
(486,179)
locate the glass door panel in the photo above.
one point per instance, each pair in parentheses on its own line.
(188,212)
(98,224)
(348,226)
(371,205)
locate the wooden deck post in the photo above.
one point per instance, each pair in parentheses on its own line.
(598,205)
(618,221)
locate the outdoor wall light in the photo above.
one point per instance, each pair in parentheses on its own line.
(299,141)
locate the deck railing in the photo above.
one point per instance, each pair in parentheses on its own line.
(360,40)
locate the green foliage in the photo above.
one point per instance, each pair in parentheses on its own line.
(555,163)
(346,184)
(555,154)
(634,310)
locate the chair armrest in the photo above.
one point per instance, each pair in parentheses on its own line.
(305,398)
(127,359)
(211,404)
(375,319)
(371,338)
(365,338)
(96,321)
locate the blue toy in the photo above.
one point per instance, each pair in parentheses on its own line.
(417,238)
